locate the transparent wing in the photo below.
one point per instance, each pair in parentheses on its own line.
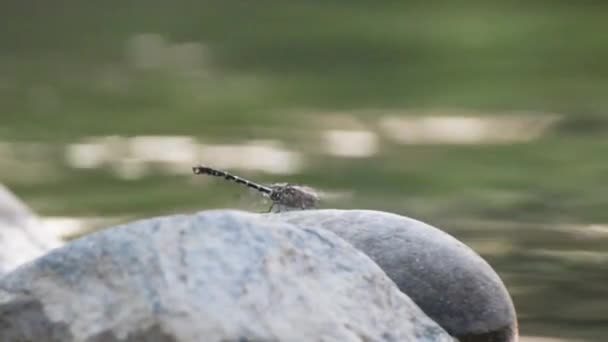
(251,200)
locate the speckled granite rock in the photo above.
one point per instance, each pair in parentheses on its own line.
(450,282)
(22,237)
(214,276)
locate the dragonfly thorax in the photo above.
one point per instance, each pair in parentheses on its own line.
(293,196)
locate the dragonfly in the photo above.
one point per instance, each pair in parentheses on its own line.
(284,196)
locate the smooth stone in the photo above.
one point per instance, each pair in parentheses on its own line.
(451,283)
(214,276)
(22,236)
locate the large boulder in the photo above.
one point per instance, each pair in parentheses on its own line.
(450,282)
(22,236)
(213,276)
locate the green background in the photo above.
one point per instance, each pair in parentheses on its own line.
(275,70)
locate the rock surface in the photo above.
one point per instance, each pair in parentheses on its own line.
(213,276)
(449,281)
(22,237)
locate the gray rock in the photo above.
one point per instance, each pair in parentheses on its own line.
(22,237)
(449,281)
(214,276)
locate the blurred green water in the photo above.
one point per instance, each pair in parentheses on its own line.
(276,69)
